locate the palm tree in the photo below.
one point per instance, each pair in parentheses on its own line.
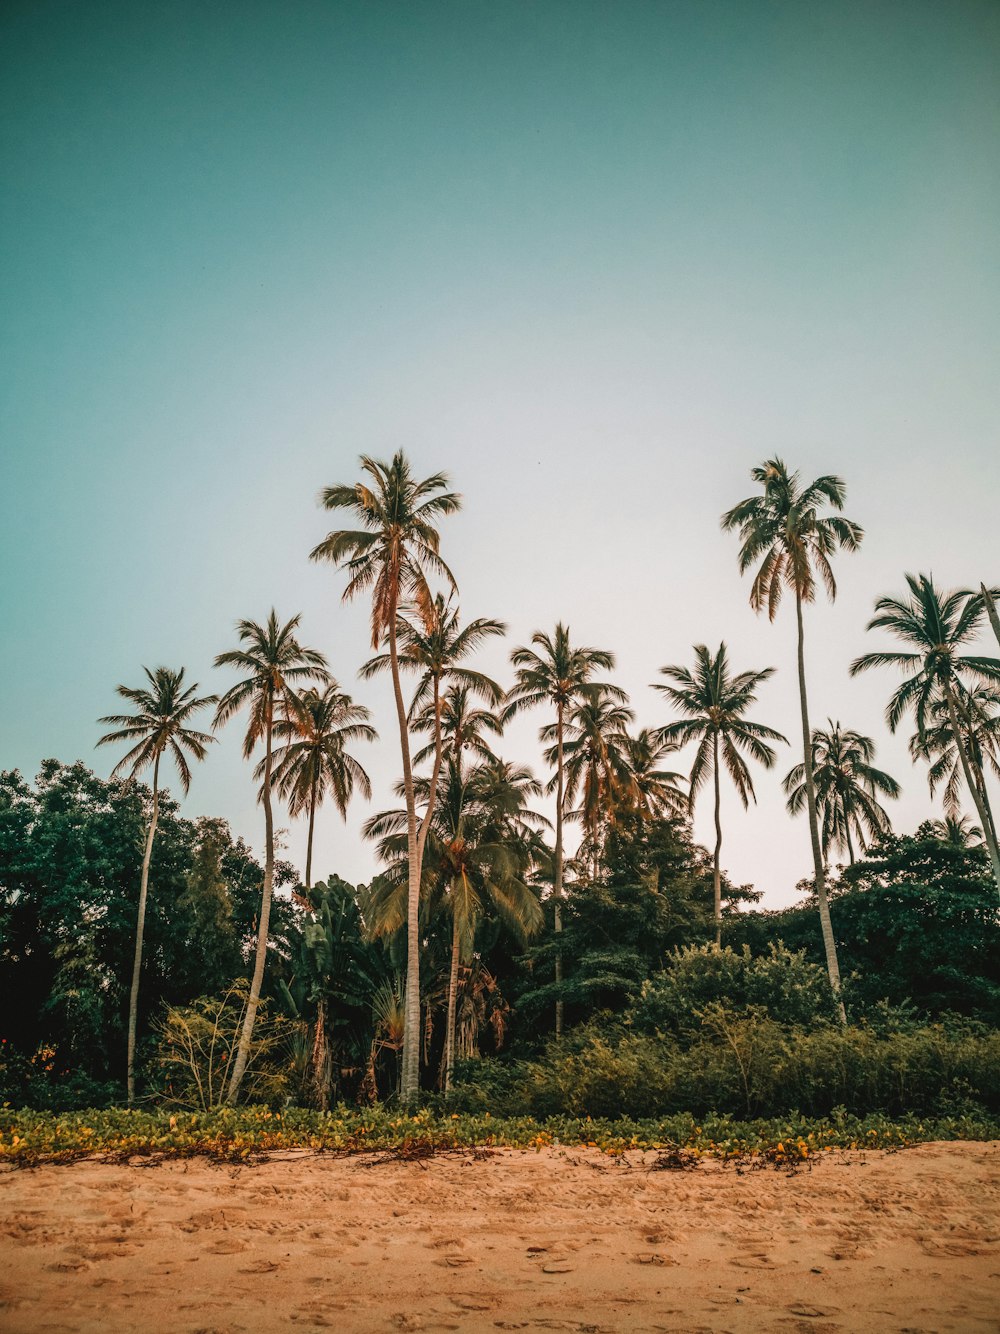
(653,793)
(553,672)
(390,555)
(979,715)
(958,831)
(594,755)
(273,663)
(785,530)
(435,650)
(936,625)
(479,848)
(157,726)
(313,762)
(462,727)
(716,705)
(847,788)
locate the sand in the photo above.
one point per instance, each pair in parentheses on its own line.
(563,1239)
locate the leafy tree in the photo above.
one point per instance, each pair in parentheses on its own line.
(786,531)
(847,788)
(158,726)
(313,761)
(390,555)
(595,764)
(979,718)
(273,663)
(936,626)
(653,793)
(553,672)
(716,704)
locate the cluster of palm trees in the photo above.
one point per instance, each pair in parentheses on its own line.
(466,841)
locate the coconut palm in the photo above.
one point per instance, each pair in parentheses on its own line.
(273,664)
(979,716)
(787,536)
(435,651)
(936,625)
(847,788)
(313,762)
(716,704)
(958,831)
(595,766)
(462,727)
(479,847)
(157,727)
(653,793)
(390,556)
(553,672)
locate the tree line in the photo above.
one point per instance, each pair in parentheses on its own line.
(467,846)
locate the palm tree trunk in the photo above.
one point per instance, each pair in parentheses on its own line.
(717,860)
(256,982)
(410,1064)
(557,888)
(425,823)
(829,943)
(449,1037)
(984,819)
(991,611)
(850,845)
(322,1058)
(312,823)
(133,999)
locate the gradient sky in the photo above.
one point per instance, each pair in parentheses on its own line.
(595,260)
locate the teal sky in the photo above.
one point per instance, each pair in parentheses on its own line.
(595,260)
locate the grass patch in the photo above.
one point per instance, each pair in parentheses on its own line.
(29,1138)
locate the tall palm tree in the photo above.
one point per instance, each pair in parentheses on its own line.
(553,672)
(390,555)
(847,788)
(653,793)
(479,848)
(936,625)
(979,716)
(273,664)
(786,531)
(716,704)
(435,649)
(463,726)
(313,762)
(595,765)
(158,726)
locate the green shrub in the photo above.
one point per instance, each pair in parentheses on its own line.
(781,983)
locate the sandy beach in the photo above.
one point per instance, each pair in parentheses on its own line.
(563,1239)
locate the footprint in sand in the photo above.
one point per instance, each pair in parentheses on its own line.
(227,1246)
(652,1258)
(261,1267)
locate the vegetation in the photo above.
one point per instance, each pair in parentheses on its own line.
(621,992)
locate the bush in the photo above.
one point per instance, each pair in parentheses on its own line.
(197,1048)
(780,983)
(744,1064)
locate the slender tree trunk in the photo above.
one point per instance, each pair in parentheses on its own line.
(717,860)
(257,981)
(133,999)
(984,819)
(312,824)
(449,1037)
(991,610)
(829,943)
(557,888)
(322,1058)
(410,1065)
(425,823)
(850,845)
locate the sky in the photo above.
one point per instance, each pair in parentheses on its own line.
(594,260)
